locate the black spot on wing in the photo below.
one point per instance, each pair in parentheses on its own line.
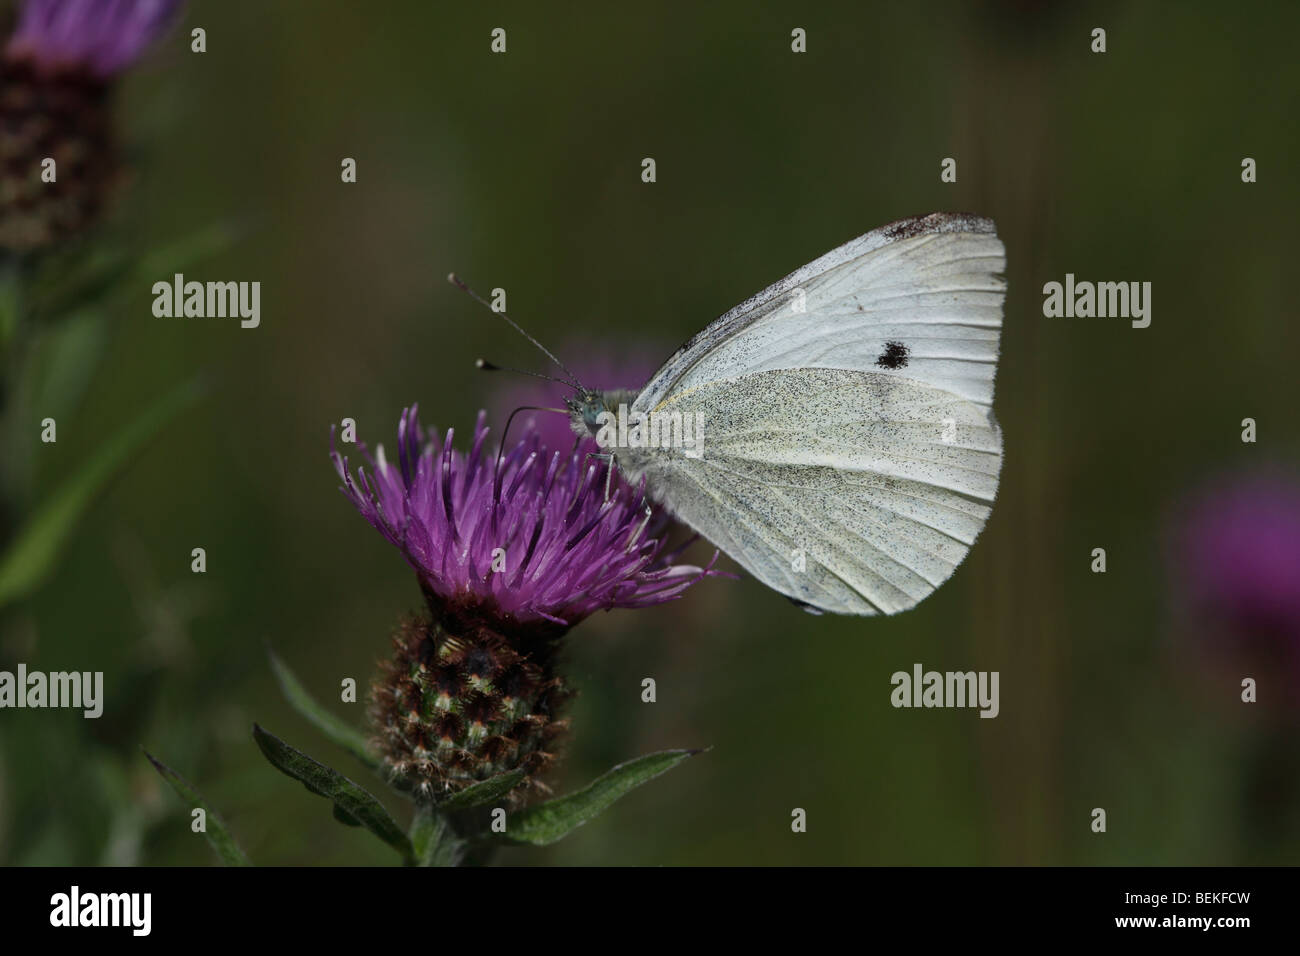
(894,356)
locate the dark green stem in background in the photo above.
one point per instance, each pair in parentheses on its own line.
(10,322)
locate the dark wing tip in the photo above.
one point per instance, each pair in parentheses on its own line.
(937,222)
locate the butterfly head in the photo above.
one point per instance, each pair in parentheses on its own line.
(590,409)
(585,408)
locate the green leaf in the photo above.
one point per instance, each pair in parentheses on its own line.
(337,730)
(485,791)
(66,282)
(52,375)
(353,800)
(97,274)
(206,242)
(345,818)
(217,833)
(61,362)
(35,551)
(550,821)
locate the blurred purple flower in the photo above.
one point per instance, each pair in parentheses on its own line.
(103,36)
(56,76)
(567,551)
(1237,551)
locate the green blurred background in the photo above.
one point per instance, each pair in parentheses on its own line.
(523,171)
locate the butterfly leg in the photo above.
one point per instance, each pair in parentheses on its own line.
(636,535)
(608,458)
(609,472)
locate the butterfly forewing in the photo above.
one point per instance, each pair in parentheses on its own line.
(850,456)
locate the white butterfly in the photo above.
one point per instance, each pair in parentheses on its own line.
(851,455)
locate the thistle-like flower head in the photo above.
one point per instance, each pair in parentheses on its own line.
(56,75)
(511,552)
(102,36)
(1237,548)
(526,539)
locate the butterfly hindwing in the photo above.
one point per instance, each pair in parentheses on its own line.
(853,492)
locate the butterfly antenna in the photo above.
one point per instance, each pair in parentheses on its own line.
(486,366)
(460,284)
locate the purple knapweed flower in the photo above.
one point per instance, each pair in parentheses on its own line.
(102,36)
(531,539)
(511,552)
(56,74)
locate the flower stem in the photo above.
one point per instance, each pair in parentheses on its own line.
(435,840)
(10,302)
